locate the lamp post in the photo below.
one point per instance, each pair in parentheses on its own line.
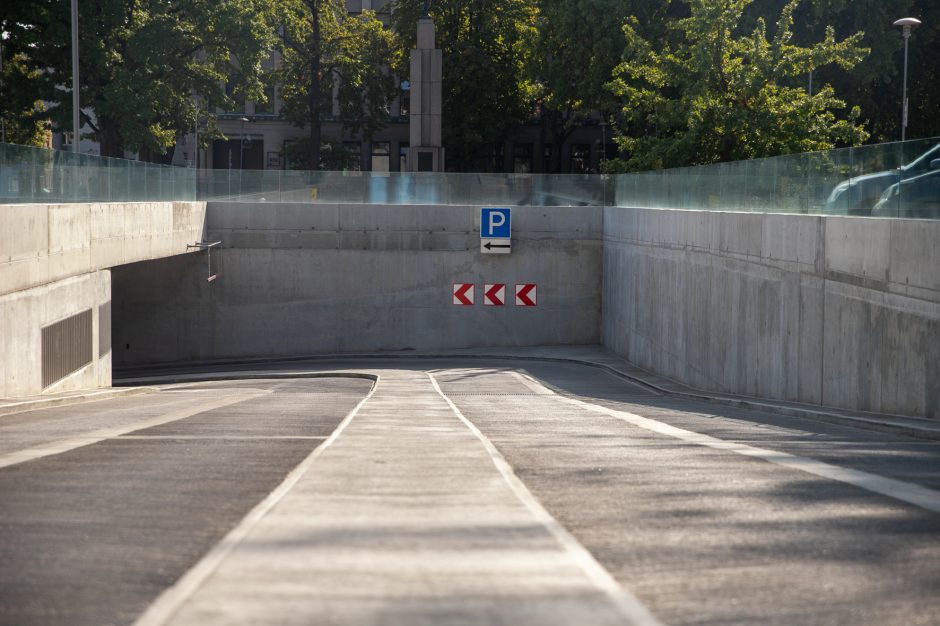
(241,142)
(75,103)
(906,24)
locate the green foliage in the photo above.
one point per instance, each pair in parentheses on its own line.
(323,47)
(21,116)
(875,85)
(705,93)
(577,47)
(141,62)
(487,45)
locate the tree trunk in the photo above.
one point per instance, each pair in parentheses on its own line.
(313,94)
(109,138)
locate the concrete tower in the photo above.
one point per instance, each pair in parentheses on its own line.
(425,153)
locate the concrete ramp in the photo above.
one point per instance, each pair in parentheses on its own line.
(406,516)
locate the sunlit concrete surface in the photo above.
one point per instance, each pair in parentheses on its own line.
(457,491)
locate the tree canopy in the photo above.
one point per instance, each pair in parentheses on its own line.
(324,50)
(142,62)
(706,94)
(486,46)
(683,81)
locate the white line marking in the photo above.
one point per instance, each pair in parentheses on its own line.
(625,601)
(65,445)
(221,437)
(169,602)
(927,499)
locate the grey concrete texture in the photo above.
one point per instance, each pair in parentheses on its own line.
(705,536)
(838,311)
(91,536)
(24,314)
(41,244)
(404,520)
(312,279)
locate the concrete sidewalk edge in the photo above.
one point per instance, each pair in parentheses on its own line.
(12,406)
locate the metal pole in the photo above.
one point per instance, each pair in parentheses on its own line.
(196,134)
(907,35)
(906,24)
(3,124)
(75,83)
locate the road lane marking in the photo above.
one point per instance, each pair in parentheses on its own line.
(625,601)
(171,600)
(222,437)
(927,499)
(97,436)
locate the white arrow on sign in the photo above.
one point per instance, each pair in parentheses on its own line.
(495,246)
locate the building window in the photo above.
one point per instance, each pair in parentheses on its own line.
(402,156)
(237,106)
(266,107)
(404,99)
(380,156)
(547,158)
(522,158)
(580,158)
(352,156)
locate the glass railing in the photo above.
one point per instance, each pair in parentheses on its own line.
(404,188)
(886,180)
(30,174)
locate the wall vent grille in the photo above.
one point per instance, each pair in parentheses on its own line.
(66,347)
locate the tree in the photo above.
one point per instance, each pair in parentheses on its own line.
(141,62)
(486,45)
(579,44)
(706,94)
(322,47)
(21,118)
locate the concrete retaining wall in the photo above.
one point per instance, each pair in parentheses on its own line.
(22,318)
(51,262)
(312,279)
(44,243)
(838,311)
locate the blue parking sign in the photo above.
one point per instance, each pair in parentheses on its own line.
(495,223)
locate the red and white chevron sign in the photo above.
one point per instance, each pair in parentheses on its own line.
(526,294)
(463,294)
(494,295)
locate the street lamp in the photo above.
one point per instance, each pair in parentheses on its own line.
(76,111)
(241,142)
(906,24)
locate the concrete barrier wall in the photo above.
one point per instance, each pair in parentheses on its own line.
(299,279)
(22,318)
(837,311)
(44,243)
(52,259)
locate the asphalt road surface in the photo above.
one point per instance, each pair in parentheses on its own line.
(630,506)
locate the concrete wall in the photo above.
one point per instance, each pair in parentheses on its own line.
(300,279)
(838,311)
(51,262)
(43,243)
(24,314)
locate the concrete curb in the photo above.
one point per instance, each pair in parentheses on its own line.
(907,426)
(12,408)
